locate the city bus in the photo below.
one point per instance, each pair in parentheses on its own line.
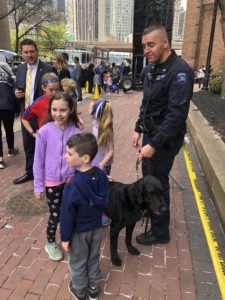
(119,57)
(86,54)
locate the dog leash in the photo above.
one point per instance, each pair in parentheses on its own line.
(137,169)
(145,213)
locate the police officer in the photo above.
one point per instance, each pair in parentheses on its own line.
(168,87)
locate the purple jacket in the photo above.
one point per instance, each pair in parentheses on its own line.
(49,157)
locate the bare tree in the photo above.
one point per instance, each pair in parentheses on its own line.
(33,14)
(6,12)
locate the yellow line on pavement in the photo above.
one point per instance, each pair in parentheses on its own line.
(217,259)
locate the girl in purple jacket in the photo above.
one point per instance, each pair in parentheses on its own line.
(51,171)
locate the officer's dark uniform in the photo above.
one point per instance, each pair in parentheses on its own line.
(168,88)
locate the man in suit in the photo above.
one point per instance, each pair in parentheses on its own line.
(78,73)
(28,89)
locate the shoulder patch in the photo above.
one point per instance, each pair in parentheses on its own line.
(181,78)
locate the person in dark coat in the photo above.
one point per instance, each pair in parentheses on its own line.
(27,90)
(168,88)
(8,107)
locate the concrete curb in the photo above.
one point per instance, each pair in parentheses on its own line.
(211,153)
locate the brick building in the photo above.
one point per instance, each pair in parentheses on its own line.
(197,33)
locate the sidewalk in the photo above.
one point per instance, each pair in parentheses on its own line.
(159,272)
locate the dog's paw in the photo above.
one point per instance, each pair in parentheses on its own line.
(116,261)
(133,251)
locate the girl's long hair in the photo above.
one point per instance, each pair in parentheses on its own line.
(67,98)
(105,126)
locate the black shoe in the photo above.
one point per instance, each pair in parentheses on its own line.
(149,239)
(93,293)
(26,177)
(76,295)
(13,152)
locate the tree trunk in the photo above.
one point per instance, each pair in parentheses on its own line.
(17,38)
(222,9)
(4,25)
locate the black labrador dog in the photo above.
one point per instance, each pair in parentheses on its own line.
(127,204)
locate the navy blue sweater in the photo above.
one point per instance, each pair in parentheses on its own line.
(84,200)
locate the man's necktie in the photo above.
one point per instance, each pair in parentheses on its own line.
(28,86)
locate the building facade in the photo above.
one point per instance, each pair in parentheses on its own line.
(82,19)
(59,5)
(197,35)
(178,21)
(92,20)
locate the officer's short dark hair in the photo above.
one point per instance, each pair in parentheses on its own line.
(152,28)
(76,58)
(27,42)
(84,144)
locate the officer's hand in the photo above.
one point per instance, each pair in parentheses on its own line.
(135,139)
(146,152)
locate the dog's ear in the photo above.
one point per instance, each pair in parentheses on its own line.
(138,191)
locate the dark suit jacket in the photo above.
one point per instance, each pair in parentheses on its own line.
(21,80)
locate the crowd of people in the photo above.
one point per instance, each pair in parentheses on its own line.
(71,166)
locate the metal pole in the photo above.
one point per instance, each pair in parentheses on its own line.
(206,79)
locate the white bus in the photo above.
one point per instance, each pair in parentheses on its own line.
(119,57)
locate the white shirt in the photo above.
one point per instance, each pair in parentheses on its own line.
(34,72)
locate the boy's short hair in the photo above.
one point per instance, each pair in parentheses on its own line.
(84,144)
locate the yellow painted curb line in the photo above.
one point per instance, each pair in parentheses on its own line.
(216,256)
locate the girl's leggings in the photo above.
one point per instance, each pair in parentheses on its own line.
(54,198)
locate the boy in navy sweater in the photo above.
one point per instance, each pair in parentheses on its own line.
(84,200)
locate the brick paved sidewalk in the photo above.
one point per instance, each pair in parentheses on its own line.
(159,272)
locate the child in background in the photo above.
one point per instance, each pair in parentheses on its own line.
(110,83)
(105,78)
(51,171)
(97,80)
(39,108)
(69,86)
(84,200)
(103,131)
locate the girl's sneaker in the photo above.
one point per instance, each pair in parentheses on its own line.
(53,251)
(13,152)
(93,293)
(2,164)
(105,220)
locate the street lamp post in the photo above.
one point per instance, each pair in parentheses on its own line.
(206,79)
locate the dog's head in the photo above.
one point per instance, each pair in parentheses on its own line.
(149,194)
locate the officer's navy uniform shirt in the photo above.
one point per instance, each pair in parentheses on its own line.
(170,88)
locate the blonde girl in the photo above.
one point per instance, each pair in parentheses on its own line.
(103,131)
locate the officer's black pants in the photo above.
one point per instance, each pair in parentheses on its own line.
(159,166)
